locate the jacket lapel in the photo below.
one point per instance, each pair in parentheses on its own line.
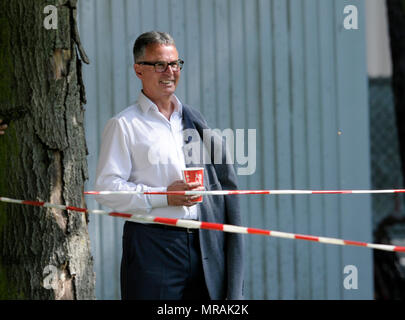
(193,133)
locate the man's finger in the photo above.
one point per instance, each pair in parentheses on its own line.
(193,185)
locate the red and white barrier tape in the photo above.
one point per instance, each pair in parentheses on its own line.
(212,226)
(235,192)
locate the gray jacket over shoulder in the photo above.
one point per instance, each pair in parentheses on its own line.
(222,252)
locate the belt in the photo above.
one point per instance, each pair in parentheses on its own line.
(167,227)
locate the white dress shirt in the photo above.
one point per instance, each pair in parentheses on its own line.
(142,150)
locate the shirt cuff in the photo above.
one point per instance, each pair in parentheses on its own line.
(158,200)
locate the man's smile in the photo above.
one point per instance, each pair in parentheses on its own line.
(166,82)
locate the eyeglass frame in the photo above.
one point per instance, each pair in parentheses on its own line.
(148,63)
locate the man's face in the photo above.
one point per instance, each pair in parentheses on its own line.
(157,85)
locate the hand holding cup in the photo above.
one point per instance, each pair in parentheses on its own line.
(194,175)
(183,200)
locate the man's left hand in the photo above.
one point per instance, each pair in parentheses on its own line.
(183,200)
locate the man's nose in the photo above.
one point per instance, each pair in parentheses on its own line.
(169,69)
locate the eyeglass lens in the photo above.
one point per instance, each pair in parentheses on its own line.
(162,66)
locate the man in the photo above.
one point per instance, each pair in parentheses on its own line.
(159,261)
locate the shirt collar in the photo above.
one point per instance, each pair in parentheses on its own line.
(145,103)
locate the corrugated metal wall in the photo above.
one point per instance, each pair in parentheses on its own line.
(285,68)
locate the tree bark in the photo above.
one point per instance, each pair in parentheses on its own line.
(44,253)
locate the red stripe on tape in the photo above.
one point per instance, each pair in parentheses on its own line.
(258,231)
(177,193)
(305,237)
(332,192)
(119,214)
(355,243)
(76,209)
(212,226)
(259,191)
(166,220)
(33,203)
(220,227)
(232,192)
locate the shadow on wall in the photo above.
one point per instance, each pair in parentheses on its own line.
(389,267)
(388,212)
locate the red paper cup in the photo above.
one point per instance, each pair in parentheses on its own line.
(194,175)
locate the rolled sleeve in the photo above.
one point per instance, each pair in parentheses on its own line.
(157,200)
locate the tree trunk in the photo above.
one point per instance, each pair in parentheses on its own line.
(44,253)
(396,18)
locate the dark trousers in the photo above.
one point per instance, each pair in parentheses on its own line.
(161,263)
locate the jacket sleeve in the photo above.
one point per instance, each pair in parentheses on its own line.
(234,242)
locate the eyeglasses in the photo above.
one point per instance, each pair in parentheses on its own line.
(161,66)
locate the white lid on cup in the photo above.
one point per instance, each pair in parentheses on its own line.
(193,169)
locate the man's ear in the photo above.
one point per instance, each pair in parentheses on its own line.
(137,69)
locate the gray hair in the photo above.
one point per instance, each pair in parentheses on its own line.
(148,38)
